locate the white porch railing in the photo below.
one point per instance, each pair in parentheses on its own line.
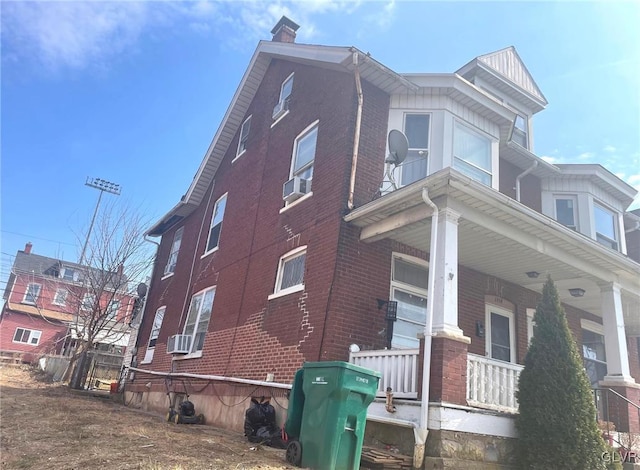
(492,383)
(399,369)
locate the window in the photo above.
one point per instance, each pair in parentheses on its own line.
(157,324)
(290,277)
(69,274)
(409,288)
(500,334)
(530,324)
(519,132)
(606,227)
(88,302)
(414,167)
(304,153)
(32,293)
(60,297)
(244,136)
(285,89)
(198,318)
(25,336)
(566,211)
(112,310)
(216,224)
(175,248)
(472,154)
(593,352)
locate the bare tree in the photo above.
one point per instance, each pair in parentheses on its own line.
(105,298)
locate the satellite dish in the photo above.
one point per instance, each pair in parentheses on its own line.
(398,147)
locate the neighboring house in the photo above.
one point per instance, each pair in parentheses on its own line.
(295,234)
(45,301)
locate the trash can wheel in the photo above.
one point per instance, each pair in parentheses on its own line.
(294,453)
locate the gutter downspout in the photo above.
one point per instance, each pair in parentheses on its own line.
(522,175)
(422,431)
(356,137)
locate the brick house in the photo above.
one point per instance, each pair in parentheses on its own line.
(42,300)
(299,230)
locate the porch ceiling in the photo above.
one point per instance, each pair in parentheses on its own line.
(497,236)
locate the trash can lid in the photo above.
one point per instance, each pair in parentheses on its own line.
(341,365)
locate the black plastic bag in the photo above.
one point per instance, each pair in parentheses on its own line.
(260,424)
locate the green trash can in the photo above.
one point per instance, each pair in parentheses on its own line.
(334,401)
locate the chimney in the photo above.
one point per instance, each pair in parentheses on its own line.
(120,269)
(285,30)
(27,248)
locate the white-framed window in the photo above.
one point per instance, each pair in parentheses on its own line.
(198,318)
(415,166)
(519,134)
(606,226)
(290,276)
(566,210)
(32,293)
(304,153)
(593,351)
(500,333)
(530,324)
(244,136)
(472,154)
(25,336)
(285,89)
(409,278)
(175,249)
(60,297)
(88,302)
(112,309)
(216,223)
(69,274)
(155,328)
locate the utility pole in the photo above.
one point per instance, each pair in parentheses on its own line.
(102,185)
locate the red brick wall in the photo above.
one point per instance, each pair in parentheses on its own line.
(51,332)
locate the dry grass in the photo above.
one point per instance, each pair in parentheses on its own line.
(47,426)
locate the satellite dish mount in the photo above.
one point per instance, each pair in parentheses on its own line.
(398,149)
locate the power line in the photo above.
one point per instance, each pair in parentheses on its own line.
(37,238)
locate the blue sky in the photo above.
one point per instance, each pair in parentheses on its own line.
(133,92)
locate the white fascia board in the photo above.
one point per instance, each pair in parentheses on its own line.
(597,171)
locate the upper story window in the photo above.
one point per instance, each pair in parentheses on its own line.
(88,302)
(112,310)
(22,335)
(472,154)
(282,106)
(175,249)
(290,277)
(216,223)
(69,274)
(519,134)
(32,293)
(155,328)
(244,136)
(606,226)
(198,318)
(414,167)
(60,297)
(304,153)
(566,208)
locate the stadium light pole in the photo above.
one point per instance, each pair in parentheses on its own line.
(103,186)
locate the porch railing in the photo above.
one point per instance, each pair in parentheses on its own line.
(399,369)
(492,383)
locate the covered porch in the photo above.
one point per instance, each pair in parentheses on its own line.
(489,258)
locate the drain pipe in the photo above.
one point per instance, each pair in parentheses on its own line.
(522,175)
(356,137)
(422,431)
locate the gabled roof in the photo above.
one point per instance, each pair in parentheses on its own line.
(505,70)
(329,57)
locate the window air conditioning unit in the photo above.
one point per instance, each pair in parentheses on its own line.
(295,188)
(179,344)
(279,109)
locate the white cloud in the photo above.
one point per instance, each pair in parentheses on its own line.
(586,156)
(549,159)
(609,149)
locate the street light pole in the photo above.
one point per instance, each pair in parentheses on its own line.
(102,185)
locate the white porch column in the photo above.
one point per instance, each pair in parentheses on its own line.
(445,272)
(615,340)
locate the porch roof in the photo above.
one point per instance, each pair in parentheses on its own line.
(502,237)
(39,312)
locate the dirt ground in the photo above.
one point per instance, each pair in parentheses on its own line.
(47,426)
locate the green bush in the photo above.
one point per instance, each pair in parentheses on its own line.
(557,421)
